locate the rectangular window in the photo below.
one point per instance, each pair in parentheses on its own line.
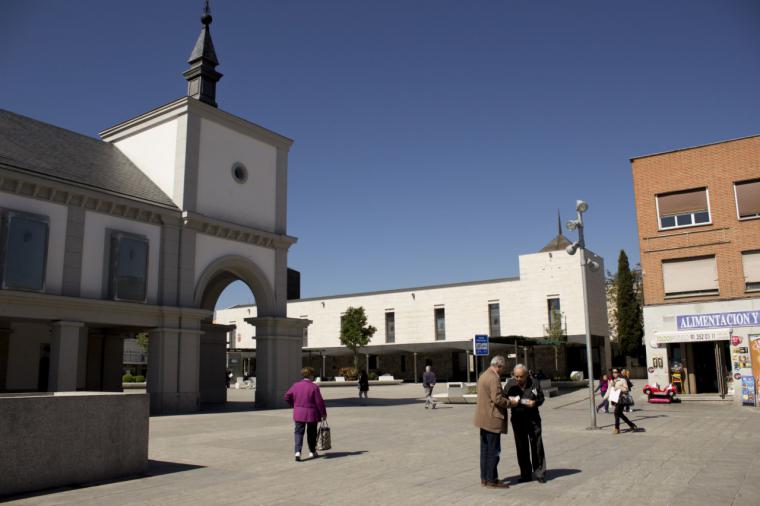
(129,267)
(305,332)
(24,251)
(390,327)
(554,311)
(440,324)
(690,277)
(747,199)
(751,262)
(494,320)
(683,209)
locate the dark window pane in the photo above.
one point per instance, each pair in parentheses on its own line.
(390,327)
(668,221)
(494,320)
(683,219)
(131,268)
(26,253)
(703,217)
(440,324)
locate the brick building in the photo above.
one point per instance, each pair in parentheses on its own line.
(697,211)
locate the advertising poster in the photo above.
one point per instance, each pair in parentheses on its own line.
(754,348)
(748,391)
(740,365)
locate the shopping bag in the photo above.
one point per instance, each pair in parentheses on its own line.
(615,395)
(324,442)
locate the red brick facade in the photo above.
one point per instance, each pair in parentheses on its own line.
(716,167)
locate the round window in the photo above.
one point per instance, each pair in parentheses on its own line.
(239,172)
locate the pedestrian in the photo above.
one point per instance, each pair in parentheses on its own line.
(527,396)
(604,384)
(308,409)
(428,383)
(628,403)
(618,386)
(491,417)
(363,385)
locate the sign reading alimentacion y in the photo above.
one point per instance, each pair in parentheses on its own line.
(718,320)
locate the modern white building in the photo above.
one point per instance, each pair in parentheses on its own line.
(435,325)
(141,230)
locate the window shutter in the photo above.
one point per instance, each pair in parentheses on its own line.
(751,263)
(748,198)
(682,202)
(690,276)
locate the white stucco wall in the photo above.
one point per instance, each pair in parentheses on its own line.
(93,252)
(57,214)
(154,151)
(24,347)
(209,249)
(522,305)
(219,195)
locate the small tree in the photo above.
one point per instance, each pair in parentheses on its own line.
(628,309)
(354,331)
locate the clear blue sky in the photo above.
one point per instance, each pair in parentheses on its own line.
(435,139)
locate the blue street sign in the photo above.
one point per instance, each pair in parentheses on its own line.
(480,345)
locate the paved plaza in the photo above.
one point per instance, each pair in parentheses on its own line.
(393,451)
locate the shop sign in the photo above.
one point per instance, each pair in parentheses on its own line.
(691,337)
(736,340)
(718,320)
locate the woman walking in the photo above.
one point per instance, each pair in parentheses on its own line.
(308,409)
(604,385)
(619,387)
(363,385)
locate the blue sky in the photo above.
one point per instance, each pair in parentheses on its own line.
(435,139)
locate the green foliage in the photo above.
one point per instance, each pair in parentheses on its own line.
(556,329)
(628,312)
(127,378)
(139,378)
(350,373)
(354,331)
(372,375)
(142,340)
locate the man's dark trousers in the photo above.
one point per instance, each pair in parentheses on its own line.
(490,448)
(530,447)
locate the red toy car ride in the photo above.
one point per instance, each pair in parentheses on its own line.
(657,394)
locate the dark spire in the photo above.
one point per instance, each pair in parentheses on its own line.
(202,76)
(558,243)
(559,223)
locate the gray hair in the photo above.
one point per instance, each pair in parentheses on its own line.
(427,368)
(498,360)
(520,366)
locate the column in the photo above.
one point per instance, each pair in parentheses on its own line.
(416,378)
(113,362)
(65,356)
(173,370)
(366,361)
(5,335)
(324,368)
(278,357)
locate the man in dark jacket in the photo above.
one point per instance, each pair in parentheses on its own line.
(526,424)
(428,383)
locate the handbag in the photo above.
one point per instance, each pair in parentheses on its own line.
(324,441)
(614,395)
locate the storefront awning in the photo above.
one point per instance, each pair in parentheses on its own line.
(691,336)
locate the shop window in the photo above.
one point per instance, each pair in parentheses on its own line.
(24,250)
(494,320)
(747,199)
(440,324)
(690,277)
(683,209)
(129,267)
(751,264)
(390,327)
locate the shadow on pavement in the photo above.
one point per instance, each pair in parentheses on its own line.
(155,468)
(353,402)
(551,474)
(337,455)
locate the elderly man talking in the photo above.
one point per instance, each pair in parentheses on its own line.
(491,418)
(526,396)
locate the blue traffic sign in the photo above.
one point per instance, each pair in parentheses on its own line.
(480,345)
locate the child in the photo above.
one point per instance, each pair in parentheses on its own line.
(604,384)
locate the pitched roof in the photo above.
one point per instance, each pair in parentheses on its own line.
(557,244)
(40,148)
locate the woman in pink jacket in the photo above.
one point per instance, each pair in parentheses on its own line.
(308,409)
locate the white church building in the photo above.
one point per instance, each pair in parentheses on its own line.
(141,230)
(435,325)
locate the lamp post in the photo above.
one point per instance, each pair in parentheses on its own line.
(577,224)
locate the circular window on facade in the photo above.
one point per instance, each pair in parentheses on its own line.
(239,172)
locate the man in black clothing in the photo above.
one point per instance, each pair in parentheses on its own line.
(526,424)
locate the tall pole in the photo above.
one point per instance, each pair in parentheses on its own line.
(582,247)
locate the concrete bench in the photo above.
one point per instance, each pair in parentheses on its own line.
(386,377)
(340,379)
(549,390)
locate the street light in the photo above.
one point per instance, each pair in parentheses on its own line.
(577,224)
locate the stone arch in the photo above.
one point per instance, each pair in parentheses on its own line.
(225,270)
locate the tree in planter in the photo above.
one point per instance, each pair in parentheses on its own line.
(142,340)
(628,315)
(354,331)
(556,335)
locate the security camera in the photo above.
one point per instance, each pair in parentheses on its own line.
(593,265)
(571,225)
(581,206)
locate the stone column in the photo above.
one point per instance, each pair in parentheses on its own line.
(65,355)
(5,334)
(173,370)
(278,357)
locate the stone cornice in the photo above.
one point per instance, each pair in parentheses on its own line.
(50,189)
(188,105)
(236,232)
